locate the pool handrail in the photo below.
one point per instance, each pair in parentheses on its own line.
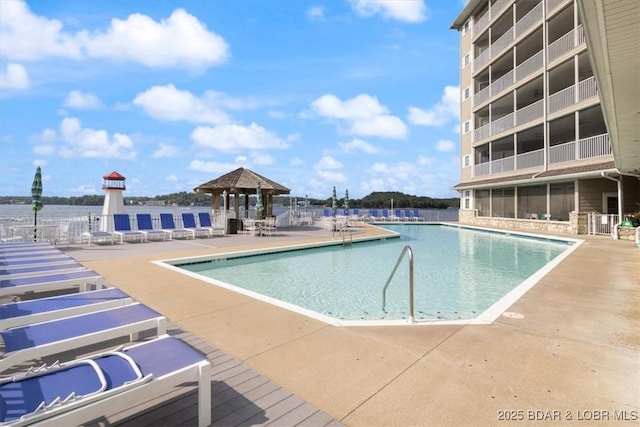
(406,250)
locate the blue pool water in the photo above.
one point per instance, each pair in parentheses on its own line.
(458,273)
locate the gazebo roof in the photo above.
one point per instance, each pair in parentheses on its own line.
(241,180)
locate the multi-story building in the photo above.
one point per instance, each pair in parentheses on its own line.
(543,134)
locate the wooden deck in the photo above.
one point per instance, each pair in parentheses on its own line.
(239,395)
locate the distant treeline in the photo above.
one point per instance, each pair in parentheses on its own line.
(378,199)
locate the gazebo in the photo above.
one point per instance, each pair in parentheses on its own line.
(241,182)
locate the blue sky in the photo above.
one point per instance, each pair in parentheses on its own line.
(358,94)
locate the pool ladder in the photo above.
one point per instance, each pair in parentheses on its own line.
(406,250)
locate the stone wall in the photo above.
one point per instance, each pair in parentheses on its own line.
(577,223)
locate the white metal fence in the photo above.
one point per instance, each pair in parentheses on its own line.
(602,224)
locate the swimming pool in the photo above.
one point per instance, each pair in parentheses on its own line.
(460,275)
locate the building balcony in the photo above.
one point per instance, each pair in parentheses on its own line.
(495,49)
(558,102)
(582,149)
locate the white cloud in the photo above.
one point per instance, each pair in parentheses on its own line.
(212,167)
(358,145)
(166,150)
(445,145)
(445,111)
(364,115)
(15,77)
(179,41)
(328,169)
(315,13)
(82,101)
(172,104)
(411,11)
(236,138)
(84,142)
(29,37)
(171,178)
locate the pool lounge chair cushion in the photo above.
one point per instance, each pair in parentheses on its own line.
(56,336)
(39,270)
(83,279)
(45,309)
(136,374)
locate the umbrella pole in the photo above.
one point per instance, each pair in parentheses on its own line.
(35,225)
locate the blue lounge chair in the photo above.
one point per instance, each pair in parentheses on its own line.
(205,222)
(122,226)
(189,222)
(31,254)
(168,225)
(146,226)
(397,215)
(45,309)
(385,214)
(49,260)
(408,215)
(373,214)
(40,270)
(416,215)
(77,392)
(9,246)
(84,279)
(56,336)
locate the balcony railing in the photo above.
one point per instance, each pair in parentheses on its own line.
(530,113)
(562,152)
(530,159)
(502,83)
(502,165)
(553,4)
(565,44)
(593,146)
(529,66)
(533,17)
(567,97)
(482,96)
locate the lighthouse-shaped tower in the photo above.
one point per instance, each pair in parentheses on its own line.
(113,184)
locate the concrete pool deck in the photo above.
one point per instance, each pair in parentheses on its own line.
(571,347)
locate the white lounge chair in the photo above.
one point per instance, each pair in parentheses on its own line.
(122,226)
(205,222)
(20,263)
(168,225)
(189,222)
(98,237)
(45,309)
(77,392)
(56,336)
(83,279)
(40,270)
(146,226)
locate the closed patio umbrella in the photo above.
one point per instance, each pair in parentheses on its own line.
(334,202)
(259,207)
(36,200)
(346,199)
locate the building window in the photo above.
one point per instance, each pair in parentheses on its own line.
(467,59)
(483,202)
(466,127)
(466,161)
(466,27)
(467,92)
(466,199)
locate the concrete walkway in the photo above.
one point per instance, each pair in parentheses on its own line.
(572,351)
